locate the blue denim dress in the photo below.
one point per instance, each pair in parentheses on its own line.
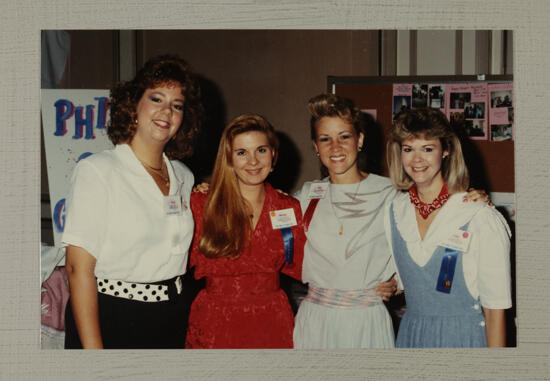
(435,319)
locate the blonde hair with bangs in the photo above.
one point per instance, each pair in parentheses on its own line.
(426,123)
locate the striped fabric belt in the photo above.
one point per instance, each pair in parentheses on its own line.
(331,297)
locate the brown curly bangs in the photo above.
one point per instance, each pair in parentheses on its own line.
(159,70)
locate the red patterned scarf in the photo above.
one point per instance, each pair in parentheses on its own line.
(425,209)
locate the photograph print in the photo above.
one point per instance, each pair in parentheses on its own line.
(401,103)
(501,99)
(419,95)
(437,96)
(459,100)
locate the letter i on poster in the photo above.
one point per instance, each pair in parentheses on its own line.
(501,112)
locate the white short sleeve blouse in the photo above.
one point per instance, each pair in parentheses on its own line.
(115,211)
(486,263)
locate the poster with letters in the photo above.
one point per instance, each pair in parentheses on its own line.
(74,126)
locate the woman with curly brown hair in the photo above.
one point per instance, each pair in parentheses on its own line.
(128,223)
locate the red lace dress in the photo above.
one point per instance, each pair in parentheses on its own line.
(242,305)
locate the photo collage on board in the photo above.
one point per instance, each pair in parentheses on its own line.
(485,111)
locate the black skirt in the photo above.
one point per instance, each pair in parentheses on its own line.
(130,324)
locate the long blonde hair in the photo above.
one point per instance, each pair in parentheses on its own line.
(226,217)
(427,123)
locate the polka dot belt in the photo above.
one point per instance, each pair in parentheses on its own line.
(142,292)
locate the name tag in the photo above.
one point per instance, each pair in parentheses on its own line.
(317,190)
(459,240)
(173,204)
(283,218)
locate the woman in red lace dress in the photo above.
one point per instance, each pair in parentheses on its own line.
(246,233)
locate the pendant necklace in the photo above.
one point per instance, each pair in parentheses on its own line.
(341,229)
(158,172)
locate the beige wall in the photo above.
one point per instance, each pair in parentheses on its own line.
(454,52)
(271,72)
(436,52)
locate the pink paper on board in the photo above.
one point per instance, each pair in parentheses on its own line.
(402,89)
(499,116)
(501,111)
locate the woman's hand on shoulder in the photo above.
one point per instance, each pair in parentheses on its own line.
(202,187)
(475,195)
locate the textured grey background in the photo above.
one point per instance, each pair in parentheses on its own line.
(20,356)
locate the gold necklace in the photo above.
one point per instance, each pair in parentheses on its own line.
(154,169)
(158,172)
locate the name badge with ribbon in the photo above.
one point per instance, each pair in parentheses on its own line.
(283,220)
(459,240)
(318,190)
(447,271)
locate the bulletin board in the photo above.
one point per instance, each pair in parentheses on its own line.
(489,154)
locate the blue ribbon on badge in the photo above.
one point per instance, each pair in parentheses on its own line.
(288,240)
(447,271)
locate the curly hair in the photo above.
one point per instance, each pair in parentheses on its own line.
(158,71)
(426,123)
